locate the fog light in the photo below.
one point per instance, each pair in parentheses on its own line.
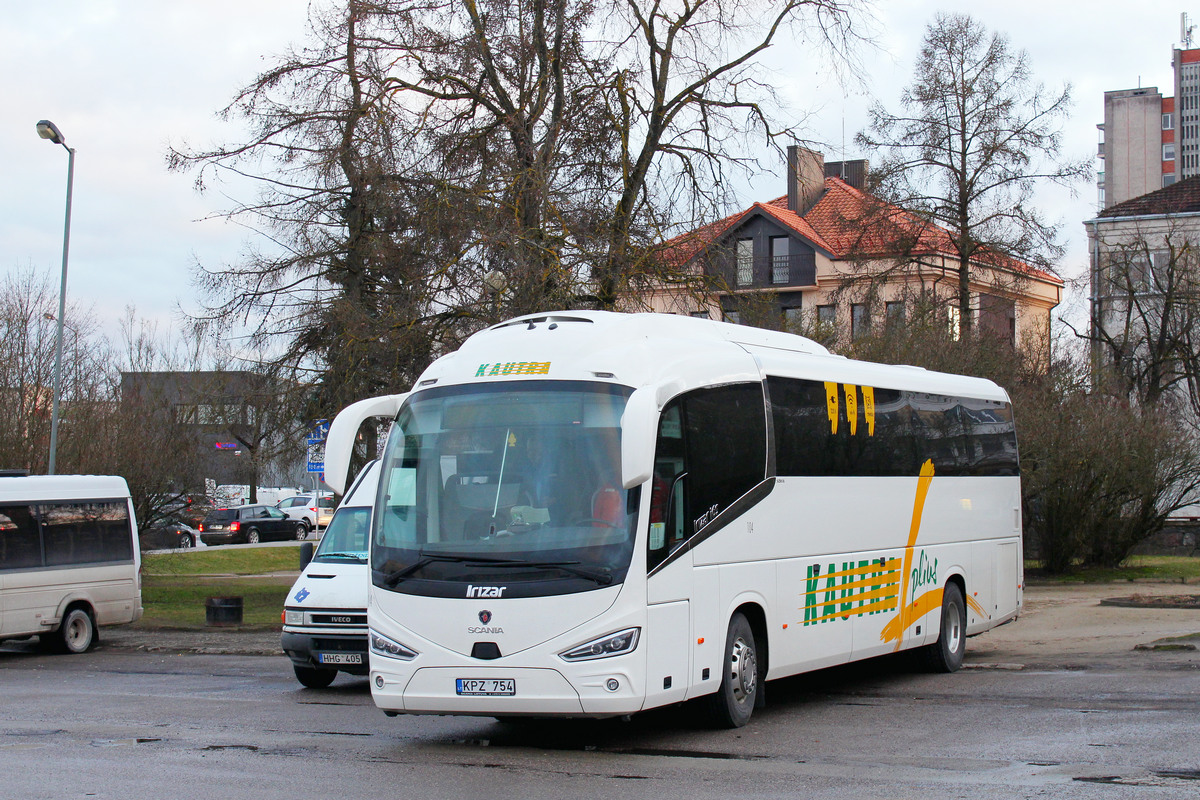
(378,681)
(612,684)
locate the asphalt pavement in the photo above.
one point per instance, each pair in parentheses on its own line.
(1060,624)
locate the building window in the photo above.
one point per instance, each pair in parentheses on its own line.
(860,319)
(792,319)
(734,317)
(700,314)
(1168,122)
(1168,151)
(894,312)
(953,323)
(745,262)
(1168,179)
(827,315)
(780,263)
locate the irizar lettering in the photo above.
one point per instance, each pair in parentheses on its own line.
(485,591)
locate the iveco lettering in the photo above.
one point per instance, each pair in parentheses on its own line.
(658,509)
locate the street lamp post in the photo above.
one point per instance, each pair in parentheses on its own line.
(48,130)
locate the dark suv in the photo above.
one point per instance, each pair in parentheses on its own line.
(250,524)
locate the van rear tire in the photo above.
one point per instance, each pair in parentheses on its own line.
(77,633)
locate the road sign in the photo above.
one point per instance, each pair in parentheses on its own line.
(316,457)
(319,432)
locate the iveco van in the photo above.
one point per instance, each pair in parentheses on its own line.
(325,614)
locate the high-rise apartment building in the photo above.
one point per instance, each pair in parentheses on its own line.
(1137,150)
(1148,141)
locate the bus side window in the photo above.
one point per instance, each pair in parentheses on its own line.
(711,450)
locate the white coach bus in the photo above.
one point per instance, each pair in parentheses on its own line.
(590,514)
(69,558)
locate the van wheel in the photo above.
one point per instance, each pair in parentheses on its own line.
(77,632)
(314,678)
(252,536)
(946,654)
(733,702)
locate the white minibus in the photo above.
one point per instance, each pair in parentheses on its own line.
(590,514)
(69,559)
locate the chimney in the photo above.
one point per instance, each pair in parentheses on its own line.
(852,172)
(806,179)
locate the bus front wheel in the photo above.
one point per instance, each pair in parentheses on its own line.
(733,702)
(946,654)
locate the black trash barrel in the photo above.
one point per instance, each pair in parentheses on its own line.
(223,611)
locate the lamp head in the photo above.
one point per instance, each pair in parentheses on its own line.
(48,130)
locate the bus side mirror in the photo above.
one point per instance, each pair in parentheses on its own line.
(638,435)
(339,445)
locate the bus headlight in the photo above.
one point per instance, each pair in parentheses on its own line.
(614,644)
(384,646)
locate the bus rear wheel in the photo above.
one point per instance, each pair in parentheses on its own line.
(946,654)
(734,701)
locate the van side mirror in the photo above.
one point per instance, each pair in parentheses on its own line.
(306,554)
(639,425)
(339,444)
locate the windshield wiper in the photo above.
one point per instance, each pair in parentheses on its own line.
(426,559)
(603,577)
(354,556)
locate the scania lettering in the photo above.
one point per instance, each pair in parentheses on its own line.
(591,514)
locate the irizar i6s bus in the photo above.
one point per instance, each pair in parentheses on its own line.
(591,514)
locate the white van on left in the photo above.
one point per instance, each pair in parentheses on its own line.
(69,558)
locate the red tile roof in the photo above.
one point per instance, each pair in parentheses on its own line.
(1181,197)
(845,221)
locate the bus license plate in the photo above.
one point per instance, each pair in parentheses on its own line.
(340,658)
(487,686)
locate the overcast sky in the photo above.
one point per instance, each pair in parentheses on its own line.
(124,78)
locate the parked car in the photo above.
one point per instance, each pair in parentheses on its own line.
(249,524)
(170,533)
(314,510)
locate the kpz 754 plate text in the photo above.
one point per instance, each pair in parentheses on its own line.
(487,686)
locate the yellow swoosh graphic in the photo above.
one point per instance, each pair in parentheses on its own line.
(894,630)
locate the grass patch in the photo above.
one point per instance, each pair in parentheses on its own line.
(226,561)
(1167,569)
(171,602)
(176,584)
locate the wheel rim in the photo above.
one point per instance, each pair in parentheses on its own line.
(743,670)
(954,629)
(76,633)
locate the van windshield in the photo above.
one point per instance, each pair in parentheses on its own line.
(517,482)
(346,537)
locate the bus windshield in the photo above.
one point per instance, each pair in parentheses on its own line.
(514,484)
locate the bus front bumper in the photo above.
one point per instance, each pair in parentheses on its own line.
(535,692)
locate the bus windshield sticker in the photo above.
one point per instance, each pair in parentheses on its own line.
(513,368)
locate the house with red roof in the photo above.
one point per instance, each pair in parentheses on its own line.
(828,252)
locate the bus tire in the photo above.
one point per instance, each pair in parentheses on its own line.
(733,703)
(314,678)
(77,633)
(946,654)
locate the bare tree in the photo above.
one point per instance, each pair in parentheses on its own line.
(429,166)
(976,136)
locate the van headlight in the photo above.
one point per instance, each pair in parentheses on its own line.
(384,646)
(293,616)
(614,644)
